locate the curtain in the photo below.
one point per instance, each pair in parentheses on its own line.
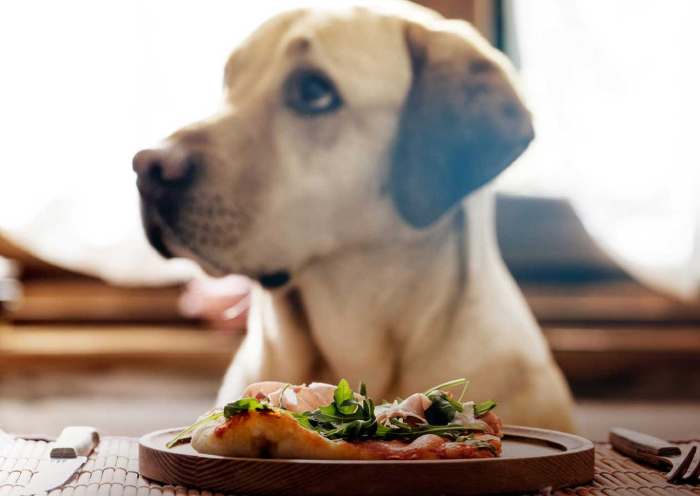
(614,88)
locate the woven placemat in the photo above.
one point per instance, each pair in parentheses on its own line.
(113,471)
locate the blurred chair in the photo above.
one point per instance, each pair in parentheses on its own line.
(10,290)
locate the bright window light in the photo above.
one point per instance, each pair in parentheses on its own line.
(614,90)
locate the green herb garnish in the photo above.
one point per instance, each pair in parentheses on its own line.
(449,384)
(185,433)
(402,430)
(443,409)
(344,399)
(344,418)
(481,409)
(351,416)
(240,406)
(482,444)
(244,405)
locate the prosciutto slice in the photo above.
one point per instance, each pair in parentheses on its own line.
(299,398)
(410,410)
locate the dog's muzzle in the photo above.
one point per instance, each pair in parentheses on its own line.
(163,176)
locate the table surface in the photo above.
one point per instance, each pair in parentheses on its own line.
(113,471)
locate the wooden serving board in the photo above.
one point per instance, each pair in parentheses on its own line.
(532,460)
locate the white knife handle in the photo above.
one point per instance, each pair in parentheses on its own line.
(74,442)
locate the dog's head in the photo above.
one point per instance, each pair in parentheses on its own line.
(340,129)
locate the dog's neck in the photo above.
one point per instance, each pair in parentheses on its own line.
(391,303)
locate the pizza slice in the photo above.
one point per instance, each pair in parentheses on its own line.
(322,421)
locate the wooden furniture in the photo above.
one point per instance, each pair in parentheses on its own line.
(90,348)
(113,470)
(9,287)
(84,299)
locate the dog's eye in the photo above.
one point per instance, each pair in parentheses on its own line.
(309,92)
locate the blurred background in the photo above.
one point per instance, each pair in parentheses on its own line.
(599,222)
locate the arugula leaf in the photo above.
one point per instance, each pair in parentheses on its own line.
(344,399)
(349,418)
(480,444)
(464,390)
(244,405)
(402,430)
(342,392)
(454,382)
(481,409)
(303,420)
(443,409)
(184,434)
(344,418)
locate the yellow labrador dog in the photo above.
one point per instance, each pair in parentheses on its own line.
(345,172)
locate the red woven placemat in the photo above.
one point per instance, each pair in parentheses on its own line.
(113,471)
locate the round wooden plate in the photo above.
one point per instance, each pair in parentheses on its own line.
(533,459)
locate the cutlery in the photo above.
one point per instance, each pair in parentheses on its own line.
(68,454)
(682,465)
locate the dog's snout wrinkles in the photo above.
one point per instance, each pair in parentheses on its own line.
(164,171)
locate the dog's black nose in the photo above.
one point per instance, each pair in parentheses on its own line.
(165,171)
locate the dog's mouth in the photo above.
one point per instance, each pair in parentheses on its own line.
(166,241)
(152,226)
(274,280)
(157,231)
(154,234)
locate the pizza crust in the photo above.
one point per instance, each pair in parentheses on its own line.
(277,434)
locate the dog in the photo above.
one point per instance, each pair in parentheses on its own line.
(348,173)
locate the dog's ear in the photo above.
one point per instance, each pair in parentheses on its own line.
(463,121)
